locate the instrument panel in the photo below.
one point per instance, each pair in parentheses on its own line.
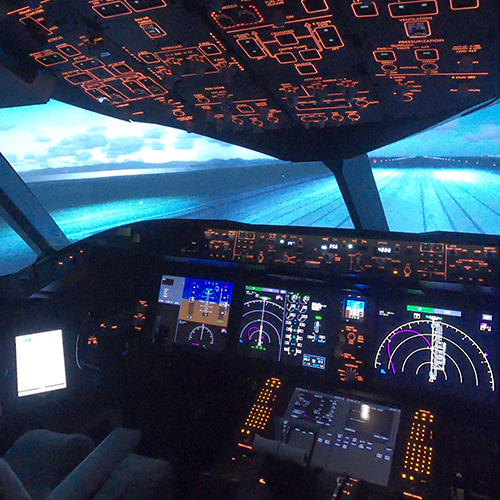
(391,340)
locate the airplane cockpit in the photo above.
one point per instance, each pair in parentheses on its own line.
(249,249)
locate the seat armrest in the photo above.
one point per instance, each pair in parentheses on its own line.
(87,477)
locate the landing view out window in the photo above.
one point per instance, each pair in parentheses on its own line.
(444,179)
(93,173)
(15,254)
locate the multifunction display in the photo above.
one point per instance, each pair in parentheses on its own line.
(284,325)
(437,348)
(353,437)
(196,311)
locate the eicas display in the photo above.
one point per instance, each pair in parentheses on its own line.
(284,325)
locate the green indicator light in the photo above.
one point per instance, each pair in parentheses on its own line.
(255,288)
(259,348)
(429,310)
(318,317)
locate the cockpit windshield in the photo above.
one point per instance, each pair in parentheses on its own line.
(93,172)
(444,179)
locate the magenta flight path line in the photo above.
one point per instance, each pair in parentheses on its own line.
(397,333)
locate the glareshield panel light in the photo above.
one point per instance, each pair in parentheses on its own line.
(15,254)
(40,363)
(444,179)
(94,172)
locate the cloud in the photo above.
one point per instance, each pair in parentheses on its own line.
(155,133)
(447,127)
(184,141)
(41,138)
(61,150)
(97,128)
(11,157)
(84,142)
(124,146)
(4,127)
(157,145)
(36,161)
(488,132)
(219,143)
(83,156)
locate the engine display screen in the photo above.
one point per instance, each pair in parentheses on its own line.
(40,363)
(195,311)
(437,348)
(284,325)
(354,437)
(354,309)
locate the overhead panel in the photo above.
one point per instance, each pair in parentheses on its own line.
(232,70)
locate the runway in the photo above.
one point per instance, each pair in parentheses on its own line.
(415,200)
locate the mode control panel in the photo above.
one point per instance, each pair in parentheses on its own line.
(387,259)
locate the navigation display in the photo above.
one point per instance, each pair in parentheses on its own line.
(196,311)
(40,363)
(437,348)
(284,325)
(354,437)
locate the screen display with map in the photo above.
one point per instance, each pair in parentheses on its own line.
(284,325)
(196,311)
(441,348)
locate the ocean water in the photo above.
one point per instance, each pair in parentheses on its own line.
(415,200)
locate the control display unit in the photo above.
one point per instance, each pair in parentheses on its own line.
(195,311)
(352,437)
(436,348)
(40,363)
(284,325)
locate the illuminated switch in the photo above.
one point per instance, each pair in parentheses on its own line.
(310,55)
(140,5)
(122,68)
(412,8)
(306,69)
(464,4)
(152,86)
(68,50)
(149,58)
(153,30)
(89,64)
(286,39)
(384,55)
(365,9)
(77,78)
(112,9)
(427,55)
(251,48)
(312,6)
(210,49)
(329,37)
(285,57)
(51,59)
